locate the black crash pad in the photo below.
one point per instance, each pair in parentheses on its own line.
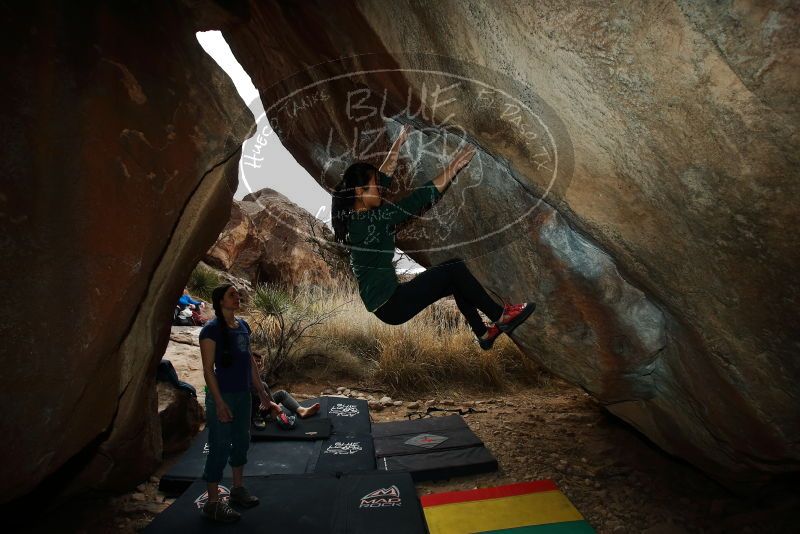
(440,465)
(263,458)
(344,454)
(309,504)
(348,416)
(431,448)
(418,442)
(318,426)
(312,428)
(339,453)
(426,424)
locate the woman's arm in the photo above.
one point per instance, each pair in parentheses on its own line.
(460,160)
(207,350)
(411,204)
(266,400)
(390,163)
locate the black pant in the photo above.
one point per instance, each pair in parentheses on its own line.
(449,278)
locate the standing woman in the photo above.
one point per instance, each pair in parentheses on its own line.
(364,223)
(230,371)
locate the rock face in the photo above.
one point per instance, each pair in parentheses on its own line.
(120,149)
(661,136)
(180,416)
(268,239)
(663,141)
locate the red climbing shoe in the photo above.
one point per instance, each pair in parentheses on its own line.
(516,313)
(285,422)
(491,334)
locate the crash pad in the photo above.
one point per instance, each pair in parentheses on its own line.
(527,507)
(356,503)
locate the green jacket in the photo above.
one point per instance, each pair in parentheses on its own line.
(371,236)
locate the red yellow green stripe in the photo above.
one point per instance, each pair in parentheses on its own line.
(566,527)
(512,508)
(509,490)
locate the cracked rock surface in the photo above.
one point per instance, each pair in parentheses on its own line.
(121,141)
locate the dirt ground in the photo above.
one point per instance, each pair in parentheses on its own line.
(614,476)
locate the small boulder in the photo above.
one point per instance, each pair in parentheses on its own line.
(180,415)
(386,401)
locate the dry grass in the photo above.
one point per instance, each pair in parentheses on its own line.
(432,352)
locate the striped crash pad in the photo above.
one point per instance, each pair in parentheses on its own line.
(526,507)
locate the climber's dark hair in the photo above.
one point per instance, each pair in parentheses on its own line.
(216,302)
(344,196)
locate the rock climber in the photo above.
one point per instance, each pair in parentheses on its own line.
(365,224)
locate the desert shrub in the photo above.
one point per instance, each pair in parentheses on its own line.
(202,282)
(281,317)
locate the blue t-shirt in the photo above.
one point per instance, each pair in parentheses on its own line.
(238,377)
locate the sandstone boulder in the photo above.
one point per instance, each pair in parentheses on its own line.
(180,416)
(120,145)
(636,177)
(271,239)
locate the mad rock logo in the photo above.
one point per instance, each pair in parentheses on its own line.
(341,448)
(381,498)
(224,495)
(344,410)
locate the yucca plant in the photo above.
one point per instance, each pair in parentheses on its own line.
(202,282)
(281,318)
(271,300)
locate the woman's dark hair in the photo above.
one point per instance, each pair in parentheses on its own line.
(216,301)
(344,196)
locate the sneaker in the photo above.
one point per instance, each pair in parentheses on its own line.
(258,422)
(285,422)
(517,313)
(492,332)
(221,511)
(243,498)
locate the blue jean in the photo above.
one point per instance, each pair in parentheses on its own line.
(227,442)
